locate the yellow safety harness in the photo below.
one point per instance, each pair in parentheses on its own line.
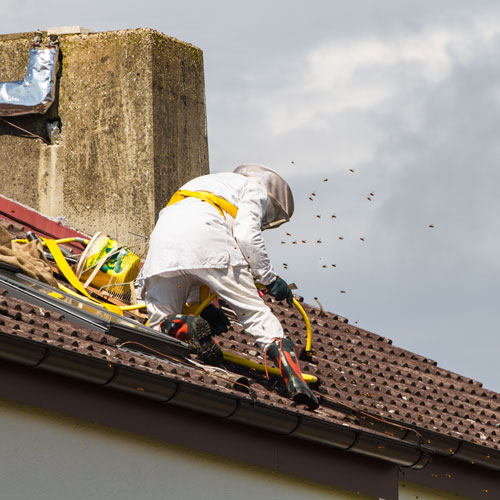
(217,202)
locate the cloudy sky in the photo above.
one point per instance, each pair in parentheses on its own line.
(398,99)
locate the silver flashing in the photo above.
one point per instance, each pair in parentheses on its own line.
(35,93)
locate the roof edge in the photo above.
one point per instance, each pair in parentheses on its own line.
(32,354)
(437,443)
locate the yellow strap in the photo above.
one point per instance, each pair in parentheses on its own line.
(71,276)
(67,290)
(219,203)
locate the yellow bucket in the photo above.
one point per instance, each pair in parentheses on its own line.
(108,264)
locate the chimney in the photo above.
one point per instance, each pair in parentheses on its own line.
(126,129)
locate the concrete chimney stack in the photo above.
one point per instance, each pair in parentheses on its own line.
(128,126)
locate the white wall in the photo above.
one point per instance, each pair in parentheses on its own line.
(46,456)
(411,491)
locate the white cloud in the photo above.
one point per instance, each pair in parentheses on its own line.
(367,76)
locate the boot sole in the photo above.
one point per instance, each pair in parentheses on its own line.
(206,348)
(301,394)
(305,399)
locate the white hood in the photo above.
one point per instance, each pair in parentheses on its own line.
(280,208)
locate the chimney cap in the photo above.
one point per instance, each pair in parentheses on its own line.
(68,30)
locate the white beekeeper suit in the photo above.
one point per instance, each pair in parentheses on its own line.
(196,243)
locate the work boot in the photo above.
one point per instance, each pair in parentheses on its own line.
(196,332)
(283,355)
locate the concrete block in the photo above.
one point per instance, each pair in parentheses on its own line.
(133,129)
(68,30)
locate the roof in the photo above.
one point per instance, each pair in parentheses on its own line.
(376,399)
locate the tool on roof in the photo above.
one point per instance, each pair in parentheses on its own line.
(31,235)
(58,257)
(104,263)
(68,273)
(122,287)
(121,264)
(107,265)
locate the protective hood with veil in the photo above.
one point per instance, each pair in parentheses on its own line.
(280,207)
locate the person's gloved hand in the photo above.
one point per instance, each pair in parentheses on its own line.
(217,320)
(280,290)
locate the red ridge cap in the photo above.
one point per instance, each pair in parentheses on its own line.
(35,221)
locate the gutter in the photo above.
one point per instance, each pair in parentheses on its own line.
(439,444)
(98,372)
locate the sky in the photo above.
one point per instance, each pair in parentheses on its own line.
(384,117)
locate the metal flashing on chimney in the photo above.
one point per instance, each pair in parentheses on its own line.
(35,93)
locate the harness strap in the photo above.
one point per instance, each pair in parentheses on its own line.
(217,202)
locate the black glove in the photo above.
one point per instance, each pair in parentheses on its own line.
(217,320)
(280,290)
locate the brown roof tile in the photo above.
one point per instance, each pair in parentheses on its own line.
(365,371)
(365,381)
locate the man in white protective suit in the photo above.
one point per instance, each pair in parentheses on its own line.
(210,233)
